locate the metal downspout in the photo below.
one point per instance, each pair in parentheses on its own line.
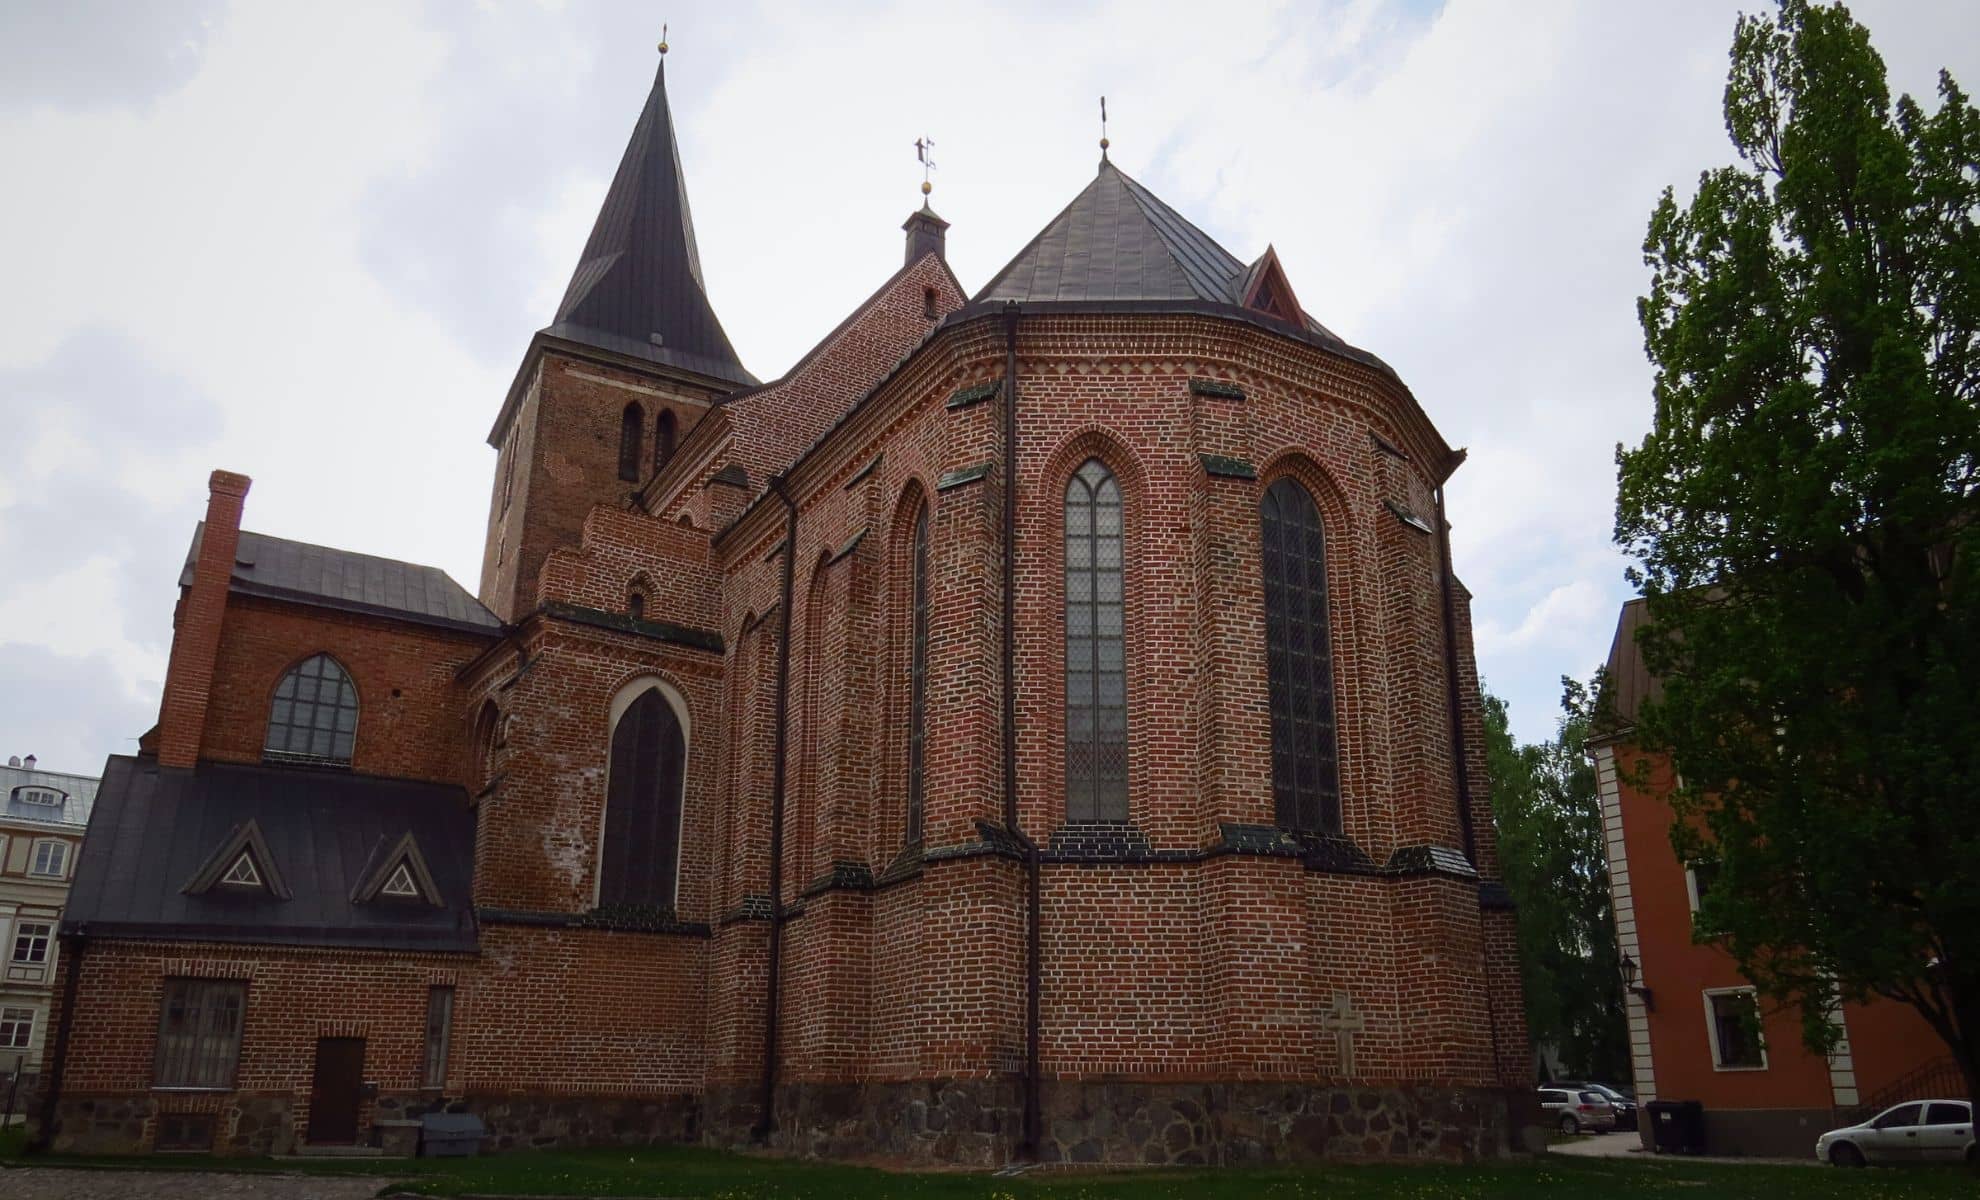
(58,1059)
(766,1119)
(1033,966)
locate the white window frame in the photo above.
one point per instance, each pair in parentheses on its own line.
(41,794)
(1712,1027)
(20,931)
(22,1019)
(1691,886)
(34,859)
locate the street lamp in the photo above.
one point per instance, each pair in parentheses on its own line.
(1629,984)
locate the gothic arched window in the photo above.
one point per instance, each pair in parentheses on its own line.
(917,673)
(629,435)
(1096,653)
(1306,790)
(664,433)
(642,847)
(313,717)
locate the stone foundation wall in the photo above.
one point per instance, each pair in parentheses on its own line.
(980,1122)
(244,1123)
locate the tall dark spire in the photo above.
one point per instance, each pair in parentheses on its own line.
(637,289)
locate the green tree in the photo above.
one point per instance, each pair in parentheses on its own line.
(1549,820)
(1802,519)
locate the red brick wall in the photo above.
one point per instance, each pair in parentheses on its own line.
(411,718)
(564,443)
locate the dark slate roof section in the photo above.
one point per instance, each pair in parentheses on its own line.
(1628,682)
(154,828)
(1117,243)
(342,579)
(637,289)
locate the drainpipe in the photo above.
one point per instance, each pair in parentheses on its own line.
(766,1118)
(58,1058)
(1032,940)
(1458,755)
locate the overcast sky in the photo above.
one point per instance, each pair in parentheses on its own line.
(311,242)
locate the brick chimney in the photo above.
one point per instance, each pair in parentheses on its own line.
(926,234)
(196,641)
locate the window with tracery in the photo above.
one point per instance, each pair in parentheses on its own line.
(313,717)
(1299,662)
(917,675)
(1096,648)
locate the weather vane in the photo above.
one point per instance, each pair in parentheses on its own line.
(924,153)
(1103,127)
(663,39)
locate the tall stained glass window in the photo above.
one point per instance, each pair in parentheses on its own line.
(918,676)
(1305,768)
(1096,655)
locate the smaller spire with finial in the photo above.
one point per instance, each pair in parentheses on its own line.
(924,153)
(663,39)
(1103,129)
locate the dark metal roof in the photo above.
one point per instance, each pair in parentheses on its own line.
(343,579)
(637,289)
(1118,243)
(1628,683)
(154,828)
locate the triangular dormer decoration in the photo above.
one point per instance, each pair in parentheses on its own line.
(240,865)
(1267,290)
(242,873)
(399,874)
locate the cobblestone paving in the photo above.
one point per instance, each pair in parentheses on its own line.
(43,1183)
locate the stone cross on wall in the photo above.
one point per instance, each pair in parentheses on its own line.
(1343,1022)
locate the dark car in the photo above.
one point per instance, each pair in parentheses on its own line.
(1623,1102)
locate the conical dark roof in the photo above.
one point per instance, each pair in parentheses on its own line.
(637,290)
(1117,241)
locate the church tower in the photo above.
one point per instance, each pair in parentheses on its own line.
(633,359)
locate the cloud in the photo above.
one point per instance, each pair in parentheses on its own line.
(314,248)
(71,711)
(86,54)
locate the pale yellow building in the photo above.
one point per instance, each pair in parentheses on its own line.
(43,815)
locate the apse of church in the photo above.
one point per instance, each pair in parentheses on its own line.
(1041,724)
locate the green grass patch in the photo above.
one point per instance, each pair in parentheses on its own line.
(693,1172)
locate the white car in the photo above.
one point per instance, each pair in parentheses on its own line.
(1922,1131)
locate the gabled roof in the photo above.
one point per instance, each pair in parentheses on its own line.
(343,579)
(637,290)
(155,828)
(387,861)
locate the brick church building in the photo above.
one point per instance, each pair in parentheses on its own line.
(1041,724)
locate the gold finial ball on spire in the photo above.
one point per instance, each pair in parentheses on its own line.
(663,41)
(1104,143)
(926,187)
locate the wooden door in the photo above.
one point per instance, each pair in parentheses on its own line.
(337,1091)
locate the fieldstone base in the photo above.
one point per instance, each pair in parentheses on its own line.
(536,1122)
(1253,1123)
(243,1123)
(979,1122)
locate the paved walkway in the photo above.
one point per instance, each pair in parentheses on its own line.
(46,1183)
(1626,1144)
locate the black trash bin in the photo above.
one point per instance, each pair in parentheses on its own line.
(448,1135)
(1676,1126)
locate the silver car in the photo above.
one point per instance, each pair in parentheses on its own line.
(1922,1131)
(1574,1110)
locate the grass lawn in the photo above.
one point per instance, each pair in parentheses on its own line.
(681,1172)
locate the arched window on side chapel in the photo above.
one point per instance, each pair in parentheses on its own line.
(630,422)
(641,853)
(1096,648)
(1306,790)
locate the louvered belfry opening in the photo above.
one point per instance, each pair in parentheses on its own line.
(643,806)
(1096,655)
(1305,765)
